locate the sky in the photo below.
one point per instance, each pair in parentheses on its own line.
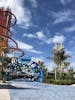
(41,24)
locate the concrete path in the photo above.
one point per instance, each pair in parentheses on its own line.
(4,93)
(23,90)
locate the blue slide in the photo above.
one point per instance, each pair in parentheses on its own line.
(38,73)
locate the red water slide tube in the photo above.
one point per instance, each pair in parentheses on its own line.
(9,35)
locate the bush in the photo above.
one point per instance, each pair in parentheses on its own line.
(60,82)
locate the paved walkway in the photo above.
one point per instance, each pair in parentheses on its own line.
(4,92)
(23,90)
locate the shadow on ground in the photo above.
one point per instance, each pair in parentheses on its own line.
(12,87)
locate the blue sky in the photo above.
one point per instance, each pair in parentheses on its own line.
(41,24)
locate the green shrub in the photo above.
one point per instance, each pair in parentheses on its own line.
(60,82)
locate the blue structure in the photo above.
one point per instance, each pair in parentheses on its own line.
(38,72)
(35,72)
(25,60)
(40,77)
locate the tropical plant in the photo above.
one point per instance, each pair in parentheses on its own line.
(4,63)
(59,59)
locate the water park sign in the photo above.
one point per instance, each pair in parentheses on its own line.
(26,59)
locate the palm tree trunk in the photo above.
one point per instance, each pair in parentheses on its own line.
(55,74)
(60,73)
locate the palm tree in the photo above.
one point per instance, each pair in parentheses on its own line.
(71,73)
(59,58)
(66,64)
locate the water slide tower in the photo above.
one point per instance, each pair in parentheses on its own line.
(7,20)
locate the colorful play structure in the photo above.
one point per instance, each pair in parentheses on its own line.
(15,69)
(26,69)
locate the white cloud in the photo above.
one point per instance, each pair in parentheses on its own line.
(35,51)
(63,2)
(23,45)
(29,35)
(49,41)
(23,14)
(68,52)
(72,65)
(62,16)
(70,29)
(44,39)
(50,66)
(36,59)
(58,39)
(34,3)
(40,35)
(27,47)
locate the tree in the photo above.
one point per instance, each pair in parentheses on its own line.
(59,58)
(66,63)
(4,63)
(71,73)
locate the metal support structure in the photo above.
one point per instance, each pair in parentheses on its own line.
(5,34)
